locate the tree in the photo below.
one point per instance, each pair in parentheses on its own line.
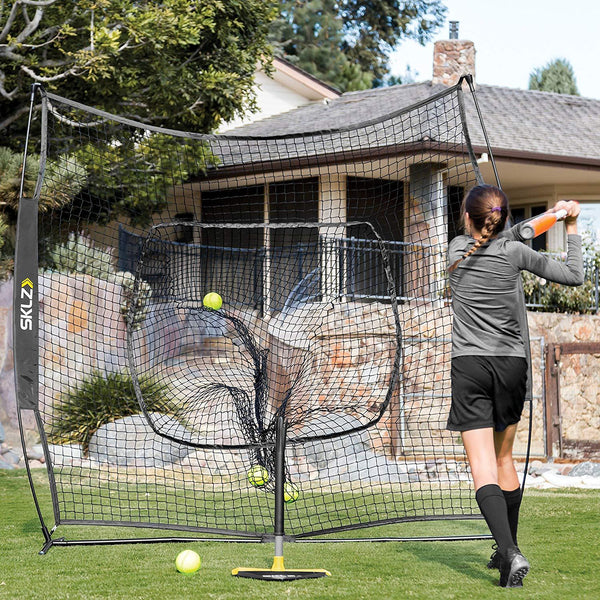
(172,63)
(346,43)
(409,76)
(557,76)
(66,177)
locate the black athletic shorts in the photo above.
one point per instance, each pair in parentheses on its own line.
(487,391)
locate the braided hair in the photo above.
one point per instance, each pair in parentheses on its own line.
(487,207)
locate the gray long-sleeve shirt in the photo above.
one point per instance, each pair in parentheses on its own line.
(490,318)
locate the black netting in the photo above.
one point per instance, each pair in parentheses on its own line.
(328,252)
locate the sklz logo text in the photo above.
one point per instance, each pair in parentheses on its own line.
(26,306)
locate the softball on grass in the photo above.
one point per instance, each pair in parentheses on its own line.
(187,562)
(258,476)
(290,492)
(212,300)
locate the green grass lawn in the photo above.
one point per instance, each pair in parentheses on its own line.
(560,533)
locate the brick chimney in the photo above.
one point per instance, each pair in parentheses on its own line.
(453,58)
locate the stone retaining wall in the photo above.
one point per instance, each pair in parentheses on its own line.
(70,306)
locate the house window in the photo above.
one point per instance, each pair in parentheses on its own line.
(518,215)
(455,197)
(379,202)
(294,201)
(235,205)
(263,266)
(294,252)
(229,259)
(539,242)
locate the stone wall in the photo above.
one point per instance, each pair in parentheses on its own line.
(8,409)
(89,312)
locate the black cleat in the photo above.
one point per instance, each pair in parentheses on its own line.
(513,569)
(495,561)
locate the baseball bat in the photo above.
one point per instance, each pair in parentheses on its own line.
(541,224)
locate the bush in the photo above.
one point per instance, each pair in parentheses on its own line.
(553,297)
(135,297)
(64,179)
(101,399)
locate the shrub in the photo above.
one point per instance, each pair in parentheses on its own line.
(100,399)
(135,299)
(553,297)
(64,179)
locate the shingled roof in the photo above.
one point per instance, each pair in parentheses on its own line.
(521,124)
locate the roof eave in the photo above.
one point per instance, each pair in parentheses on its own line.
(540,158)
(304,78)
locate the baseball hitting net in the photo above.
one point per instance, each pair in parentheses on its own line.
(328,251)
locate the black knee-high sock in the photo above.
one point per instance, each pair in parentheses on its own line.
(493,508)
(513,504)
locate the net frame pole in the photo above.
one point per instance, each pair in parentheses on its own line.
(26,305)
(279,529)
(26,318)
(469,80)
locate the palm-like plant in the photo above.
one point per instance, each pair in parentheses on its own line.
(63,180)
(100,399)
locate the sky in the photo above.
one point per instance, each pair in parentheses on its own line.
(514,37)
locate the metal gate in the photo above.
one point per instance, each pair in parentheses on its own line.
(571,429)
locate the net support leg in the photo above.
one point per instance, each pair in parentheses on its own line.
(278,572)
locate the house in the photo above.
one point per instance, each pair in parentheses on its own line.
(314,155)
